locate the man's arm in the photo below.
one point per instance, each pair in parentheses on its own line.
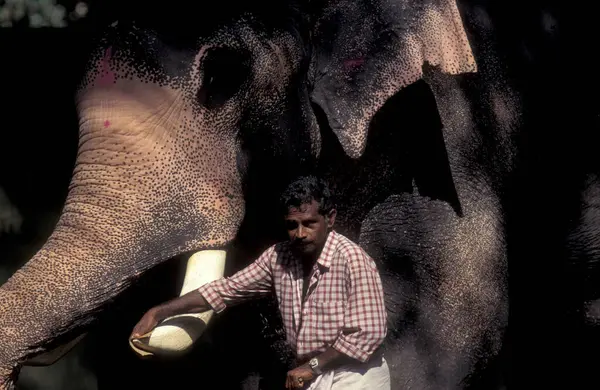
(328,360)
(331,358)
(192,302)
(365,317)
(252,281)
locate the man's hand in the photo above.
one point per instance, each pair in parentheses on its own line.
(146,323)
(298,377)
(192,302)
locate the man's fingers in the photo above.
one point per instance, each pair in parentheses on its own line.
(136,333)
(290,382)
(144,326)
(295,383)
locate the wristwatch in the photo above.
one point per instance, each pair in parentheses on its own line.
(314,365)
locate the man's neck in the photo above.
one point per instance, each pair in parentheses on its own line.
(318,252)
(309,261)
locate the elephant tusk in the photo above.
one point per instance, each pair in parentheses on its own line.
(175,335)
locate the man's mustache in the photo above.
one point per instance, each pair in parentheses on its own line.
(298,242)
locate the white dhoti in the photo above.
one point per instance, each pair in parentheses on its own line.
(372,376)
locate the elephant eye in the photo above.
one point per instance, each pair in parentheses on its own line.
(224,71)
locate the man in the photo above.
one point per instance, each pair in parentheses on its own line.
(329,293)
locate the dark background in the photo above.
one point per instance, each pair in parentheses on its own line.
(548,49)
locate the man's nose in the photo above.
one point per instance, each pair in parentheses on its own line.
(301,234)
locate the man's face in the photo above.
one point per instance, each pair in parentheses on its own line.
(307,228)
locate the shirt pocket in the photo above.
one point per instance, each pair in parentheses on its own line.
(327,319)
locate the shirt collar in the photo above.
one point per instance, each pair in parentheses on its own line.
(326,255)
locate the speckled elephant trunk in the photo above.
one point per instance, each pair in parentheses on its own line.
(145,188)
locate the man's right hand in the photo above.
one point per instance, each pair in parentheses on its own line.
(192,302)
(146,323)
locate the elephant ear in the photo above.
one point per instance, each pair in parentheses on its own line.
(365,51)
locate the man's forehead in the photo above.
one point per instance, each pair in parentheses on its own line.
(304,208)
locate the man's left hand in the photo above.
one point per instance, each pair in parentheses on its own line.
(298,377)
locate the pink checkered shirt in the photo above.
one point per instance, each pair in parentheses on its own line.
(344,305)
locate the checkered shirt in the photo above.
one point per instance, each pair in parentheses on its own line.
(344,305)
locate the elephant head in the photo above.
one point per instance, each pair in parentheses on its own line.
(176,121)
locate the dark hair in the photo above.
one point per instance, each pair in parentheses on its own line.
(304,190)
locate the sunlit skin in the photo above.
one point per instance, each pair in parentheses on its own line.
(308,230)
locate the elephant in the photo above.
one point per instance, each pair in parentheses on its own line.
(190,125)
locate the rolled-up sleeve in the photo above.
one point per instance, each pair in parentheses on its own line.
(365,318)
(251,282)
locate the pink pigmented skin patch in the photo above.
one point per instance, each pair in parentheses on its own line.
(106,123)
(107,76)
(353,63)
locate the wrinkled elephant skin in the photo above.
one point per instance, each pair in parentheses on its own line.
(157,174)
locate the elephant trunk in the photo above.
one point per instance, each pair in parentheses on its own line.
(87,261)
(155,177)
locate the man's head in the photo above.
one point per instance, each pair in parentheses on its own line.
(309,213)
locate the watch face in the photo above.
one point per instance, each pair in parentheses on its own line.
(314,365)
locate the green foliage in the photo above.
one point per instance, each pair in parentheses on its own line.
(41,13)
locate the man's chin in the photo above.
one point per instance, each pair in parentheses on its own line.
(304,250)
